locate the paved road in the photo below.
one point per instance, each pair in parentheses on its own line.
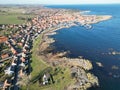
(15,86)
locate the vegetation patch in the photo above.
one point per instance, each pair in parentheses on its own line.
(14,19)
(60,74)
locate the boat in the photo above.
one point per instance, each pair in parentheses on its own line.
(87,26)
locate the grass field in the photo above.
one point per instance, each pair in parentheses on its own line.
(9,15)
(37,64)
(62,78)
(13,18)
(61,81)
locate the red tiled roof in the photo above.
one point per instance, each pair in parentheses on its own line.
(4,56)
(3,39)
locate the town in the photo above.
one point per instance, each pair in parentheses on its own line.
(16,47)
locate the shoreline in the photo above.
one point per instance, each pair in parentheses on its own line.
(71,63)
(78,66)
(38,58)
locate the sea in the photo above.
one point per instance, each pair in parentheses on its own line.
(97,44)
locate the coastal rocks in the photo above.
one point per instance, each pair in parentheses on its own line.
(95,19)
(79,67)
(99,64)
(78,62)
(87,20)
(51,33)
(85,64)
(114,67)
(114,53)
(79,70)
(92,79)
(103,18)
(46,43)
(84,80)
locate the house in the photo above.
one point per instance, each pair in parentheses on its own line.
(22,64)
(23,59)
(23,54)
(6,84)
(24,50)
(20,44)
(13,63)
(13,50)
(46,78)
(21,73)
(27,46)
(4,55)
(1,64)
(15,57)
(3,39)
(23,40)
(9,71)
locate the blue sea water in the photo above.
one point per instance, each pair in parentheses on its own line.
(95,44)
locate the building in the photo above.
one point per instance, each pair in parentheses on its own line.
(4,56)
(46,78)
(3,39)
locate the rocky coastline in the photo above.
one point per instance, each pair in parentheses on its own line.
(80,68)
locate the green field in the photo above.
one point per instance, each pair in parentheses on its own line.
(9,15)
(13,18)
(37,64)
(62,77)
